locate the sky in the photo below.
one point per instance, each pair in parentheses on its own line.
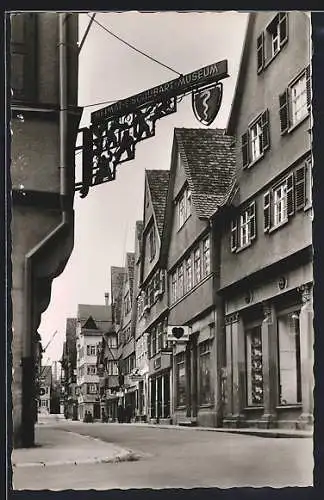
(110,70)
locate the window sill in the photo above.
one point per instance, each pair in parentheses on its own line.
(252,163)
(296,406)
(244,247)
(184,223)
(273,57)
(205,406)
(253,408)
(296,125)
(278,226)
(183,407)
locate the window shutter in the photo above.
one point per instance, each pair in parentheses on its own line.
(245,149)
(300,187)
(252,221)
(149,345)
(308,87)
(260,52)
(23,56)
(233,235)
(266,211)
(265,130)
(284,111)
(290,195)
(283,28)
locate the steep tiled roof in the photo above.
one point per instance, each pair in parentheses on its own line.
(100,313)
(158,181)
(208,156)
(117,280)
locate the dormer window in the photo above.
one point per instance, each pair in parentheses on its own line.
(184,207)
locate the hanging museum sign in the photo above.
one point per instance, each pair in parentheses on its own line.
(116,129)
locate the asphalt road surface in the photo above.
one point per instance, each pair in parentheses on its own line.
(172,458)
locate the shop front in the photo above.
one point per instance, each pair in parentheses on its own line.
(195,377)
(160,389)
(269,349)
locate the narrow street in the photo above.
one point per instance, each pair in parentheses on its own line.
(176,458)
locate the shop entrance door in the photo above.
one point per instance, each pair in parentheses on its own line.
(192,382)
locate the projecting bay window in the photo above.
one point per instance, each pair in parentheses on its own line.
(271,41)
(243,229)
(289,358)
(254,370)
(295,101)
(181,379)
(205,392)
(256,140)
(286,198)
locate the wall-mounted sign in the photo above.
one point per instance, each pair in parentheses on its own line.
(157,363)
(178,333)
(206,103)
(116,129)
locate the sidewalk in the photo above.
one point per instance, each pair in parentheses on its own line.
(273,433)
(58,447)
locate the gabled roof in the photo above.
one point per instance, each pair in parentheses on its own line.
(208,157)
(90,324)
(117,280)
(100,314)
(241,78)
(158,182)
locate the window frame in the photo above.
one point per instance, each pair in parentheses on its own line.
(262,120)
(236,243)
(204,350)
(247,334)
(287,124)
(278,26)
(183,206)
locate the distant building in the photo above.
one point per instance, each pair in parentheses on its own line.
(93,321)
(45,389)
(69,370)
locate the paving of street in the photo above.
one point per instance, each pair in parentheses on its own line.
(172,458)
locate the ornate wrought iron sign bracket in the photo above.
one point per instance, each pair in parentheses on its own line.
(116,129)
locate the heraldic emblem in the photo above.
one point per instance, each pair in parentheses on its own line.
(206,103)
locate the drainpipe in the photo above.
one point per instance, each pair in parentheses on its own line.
(28,371)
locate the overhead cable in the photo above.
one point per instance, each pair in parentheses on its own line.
(135,48)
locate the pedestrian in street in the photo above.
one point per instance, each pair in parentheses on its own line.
(120,414)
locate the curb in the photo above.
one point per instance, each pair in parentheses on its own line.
(267,433)
(128,456)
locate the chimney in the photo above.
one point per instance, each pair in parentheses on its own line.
(107,299)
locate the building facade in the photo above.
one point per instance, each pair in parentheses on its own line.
(45,390)
(69,371)
(201,176)
(43,74)
(93,321)
(266,255)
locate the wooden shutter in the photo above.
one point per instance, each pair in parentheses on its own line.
(266,211)
(252,221)
(284,111)
(300,187)
(290,195)
(233,235)
(149,345)
(283,28)
(23,56)
(260,52)
(265,130)
(245,149)
(308,87)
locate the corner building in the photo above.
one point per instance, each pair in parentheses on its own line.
(266,250)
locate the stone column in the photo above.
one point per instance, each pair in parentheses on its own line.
(188,378)
(238,368)
(306,356)
(228,403)
(269,365)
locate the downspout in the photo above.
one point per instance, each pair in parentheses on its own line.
(28,341)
